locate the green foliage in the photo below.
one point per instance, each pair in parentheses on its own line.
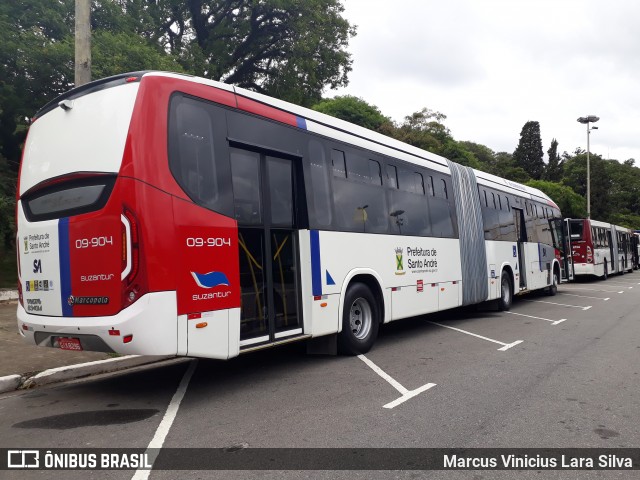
(114,53)
(575,176)
(501,164)
(528,153)
(290,49)
(553,172)
(629,220)
(7,207)
(354,110)
(571,204)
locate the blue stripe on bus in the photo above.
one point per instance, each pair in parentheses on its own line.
(316,275)
(65,266)
(540,255)
(302,123)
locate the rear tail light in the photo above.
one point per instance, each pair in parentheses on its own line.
(589,255)
(134,283)
(20,293)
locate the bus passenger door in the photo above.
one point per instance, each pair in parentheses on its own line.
(567,254)
(613,263)
(264,199)
(521,233)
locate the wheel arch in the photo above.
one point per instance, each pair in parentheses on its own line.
(372,280)
(506,268)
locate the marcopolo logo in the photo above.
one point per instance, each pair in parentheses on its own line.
(87,300)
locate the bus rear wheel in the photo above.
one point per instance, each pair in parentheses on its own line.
(360,321)
(506,292)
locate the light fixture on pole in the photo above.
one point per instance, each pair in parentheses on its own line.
(587,120)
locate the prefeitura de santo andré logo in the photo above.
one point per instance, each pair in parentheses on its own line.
(399,262)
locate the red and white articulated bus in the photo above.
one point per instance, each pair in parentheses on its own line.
(600,248)
(164,214)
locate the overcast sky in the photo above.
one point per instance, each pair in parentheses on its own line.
(492,65)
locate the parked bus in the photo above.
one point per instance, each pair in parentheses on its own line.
(163,214)
(635,248)
(600,248)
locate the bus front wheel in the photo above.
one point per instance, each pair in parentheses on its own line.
(360,321)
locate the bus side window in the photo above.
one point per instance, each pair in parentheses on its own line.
(195,159)
(430,186)
(245,174)
(444,189)
(375,173)
(419,181)
(338,163)
(319,184)
(392,176)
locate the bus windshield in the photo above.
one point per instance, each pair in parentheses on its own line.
(577,228)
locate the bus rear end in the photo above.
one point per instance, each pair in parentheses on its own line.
(83,280)
(581,246)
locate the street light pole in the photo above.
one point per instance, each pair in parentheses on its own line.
(587,120)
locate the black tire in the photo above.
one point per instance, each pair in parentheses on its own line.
(506,292)
(553,288)
(360,321)
(606,271)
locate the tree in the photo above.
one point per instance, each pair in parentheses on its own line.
(7,206)
(484,155)
(528,153)
(575,176)
(354,110)
(553,172)
(290,49)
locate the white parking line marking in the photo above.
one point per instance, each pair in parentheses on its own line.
(165,425)
(553,322)
(583,296)
(560,304)
(589,289)
(505,346)
(406,394)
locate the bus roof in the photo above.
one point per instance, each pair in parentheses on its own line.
(316,122)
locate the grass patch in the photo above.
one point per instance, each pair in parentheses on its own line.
(8,269)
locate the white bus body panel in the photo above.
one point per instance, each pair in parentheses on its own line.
(426,260)
(149,320)
(214,334)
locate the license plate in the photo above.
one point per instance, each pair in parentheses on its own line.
(70,344)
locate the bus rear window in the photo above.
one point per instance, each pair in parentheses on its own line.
(577,228)
(65,199)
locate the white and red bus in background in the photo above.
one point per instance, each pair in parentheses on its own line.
(164,214)
(600,248)
(635,248)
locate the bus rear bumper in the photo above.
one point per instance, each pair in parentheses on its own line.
(151,322)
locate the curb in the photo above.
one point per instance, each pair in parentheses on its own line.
(72,372)
(7,294)
(10,383)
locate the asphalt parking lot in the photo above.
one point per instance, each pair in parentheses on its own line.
(560,371)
